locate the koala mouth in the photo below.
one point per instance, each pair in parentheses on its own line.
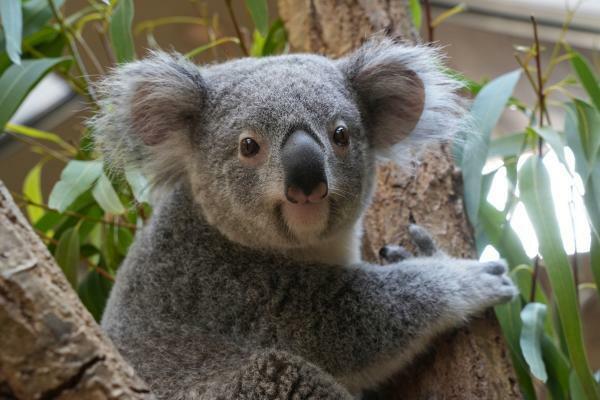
(305,220)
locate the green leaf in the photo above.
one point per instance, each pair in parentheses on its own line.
(139,185)
(533,316)
(554,139)
(534,186)
(107,198)
(558,369)
(93,292)
(587,78)
(120,31)
(123,240)
(510,323)
(12,21)
(76,178)
(507,145)
(582,131)
(415,13)
(576,390)
(276,39)
(67,254)
(32,190)
(38,134)
(36,14)
(18,80)
(259,11)
(486,110)
(501,235)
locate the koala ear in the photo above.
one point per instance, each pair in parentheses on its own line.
(403,93)
(145,106)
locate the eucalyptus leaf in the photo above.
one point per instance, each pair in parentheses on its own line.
(582,132)
(532,317)
(558,369)
(507,145)
(67,254)
(18,80)
(259,11)
(415,13)
(140,186)
(105,195)
(32,190)
(534,186)
(77,177)
(587,78)
(93,292)
(120,31)
(11,16)
(554,139)
(485,111)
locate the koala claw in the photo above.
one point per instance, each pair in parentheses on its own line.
(491,285)
(423,240)
(392,253)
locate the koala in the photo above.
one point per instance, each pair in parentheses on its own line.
(247,282)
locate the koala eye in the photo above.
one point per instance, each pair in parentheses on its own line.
(341,137)
(249,147)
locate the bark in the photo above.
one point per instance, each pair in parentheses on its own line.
(469,363)
(51,347)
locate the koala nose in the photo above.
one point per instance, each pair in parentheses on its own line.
(304,169)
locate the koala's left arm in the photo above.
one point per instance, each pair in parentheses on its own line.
(369,316)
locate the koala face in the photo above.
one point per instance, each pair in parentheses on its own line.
(279,152)
(282,158)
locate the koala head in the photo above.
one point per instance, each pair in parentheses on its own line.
(278,152)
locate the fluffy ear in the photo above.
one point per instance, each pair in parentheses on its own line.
(148,110)
(404,95)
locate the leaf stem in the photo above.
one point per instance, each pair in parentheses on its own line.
(430,27)
(540,85)
(238,32)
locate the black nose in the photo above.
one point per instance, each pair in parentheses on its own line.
(304,168)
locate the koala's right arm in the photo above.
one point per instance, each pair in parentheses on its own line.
(369,316)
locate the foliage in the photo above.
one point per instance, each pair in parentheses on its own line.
(91,216)
(543,327)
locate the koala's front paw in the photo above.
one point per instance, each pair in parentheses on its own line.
(483,285)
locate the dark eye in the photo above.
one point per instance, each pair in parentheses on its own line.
(340,136)
(249,147)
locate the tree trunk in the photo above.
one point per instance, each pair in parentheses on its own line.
(469,363)
(51,346)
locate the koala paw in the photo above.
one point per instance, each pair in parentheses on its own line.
(483,285)
(426,246)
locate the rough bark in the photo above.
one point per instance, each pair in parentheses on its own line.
(51,347)
(472,362)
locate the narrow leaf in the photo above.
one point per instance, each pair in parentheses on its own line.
(534,186)
(93,292)
(107,198)
(12,21)
(36,14)
(415,13)
(582,132)
(38,134)
(18,80)
(76,178)
(554,139)
(558,369)
(120,31)
(67,254)
(486,110)
(587,78)
(139,185)
(507,145)
(259,11)
(32,190)
(457,9)
(533,316)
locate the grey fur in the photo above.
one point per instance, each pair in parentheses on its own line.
(222,295)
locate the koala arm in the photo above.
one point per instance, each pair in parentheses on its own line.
(366,316)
